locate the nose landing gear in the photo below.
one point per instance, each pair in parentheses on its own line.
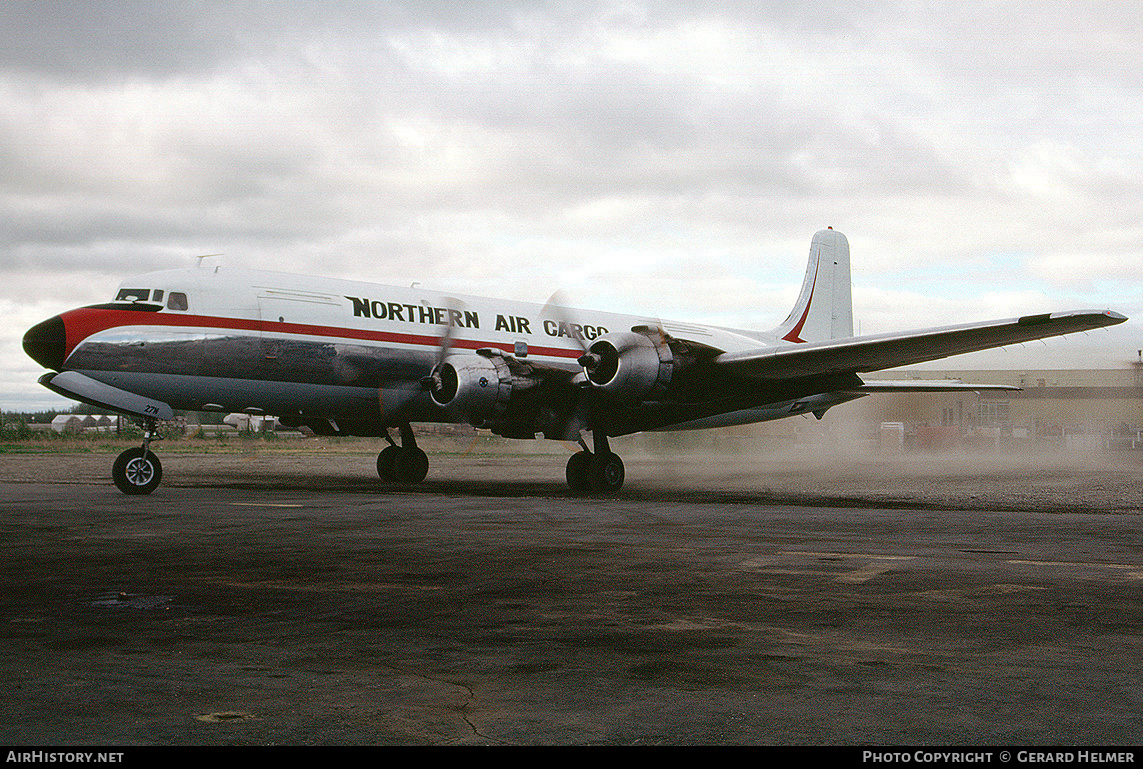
(139,471)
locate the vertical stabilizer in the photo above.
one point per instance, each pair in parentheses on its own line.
(824,309)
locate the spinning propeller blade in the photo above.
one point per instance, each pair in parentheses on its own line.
(432,382)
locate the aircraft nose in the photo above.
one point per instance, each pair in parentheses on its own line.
(44,343)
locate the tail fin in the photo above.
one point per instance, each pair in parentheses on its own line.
(824,309)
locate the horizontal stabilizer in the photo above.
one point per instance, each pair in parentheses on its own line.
(926,386)
(882,351)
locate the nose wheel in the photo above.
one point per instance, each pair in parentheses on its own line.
(139,471)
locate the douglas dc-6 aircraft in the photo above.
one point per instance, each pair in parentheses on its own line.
(351,358)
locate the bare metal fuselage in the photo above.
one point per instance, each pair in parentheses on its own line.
(349,356)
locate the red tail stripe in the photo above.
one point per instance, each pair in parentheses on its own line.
(795,333)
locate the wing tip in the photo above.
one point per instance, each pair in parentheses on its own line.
(1102,317)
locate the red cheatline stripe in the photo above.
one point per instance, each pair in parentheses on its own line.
(796,331)
(84,322)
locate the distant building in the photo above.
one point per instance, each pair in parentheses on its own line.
(1083,408)
(78,423)
(67,423)
(1104,405)
(251,422)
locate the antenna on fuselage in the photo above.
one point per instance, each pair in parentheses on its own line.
(204,256)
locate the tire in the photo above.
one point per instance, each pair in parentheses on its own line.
(136,472)
(579,472)
(606,473)
(387,464)
(412,466)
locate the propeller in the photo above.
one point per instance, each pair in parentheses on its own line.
(599,364)
(434,382)
(557,307)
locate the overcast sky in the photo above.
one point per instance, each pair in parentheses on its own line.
(674,158)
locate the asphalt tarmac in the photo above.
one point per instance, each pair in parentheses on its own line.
(290,598)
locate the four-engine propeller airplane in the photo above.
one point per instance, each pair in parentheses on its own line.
(352,358)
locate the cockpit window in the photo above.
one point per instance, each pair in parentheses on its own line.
(177,301)
(133,295)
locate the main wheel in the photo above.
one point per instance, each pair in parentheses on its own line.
(387,463)
(606,473)
(137,472)
(579,472)
(412,465)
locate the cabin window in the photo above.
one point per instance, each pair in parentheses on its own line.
(177,301)
(133,295)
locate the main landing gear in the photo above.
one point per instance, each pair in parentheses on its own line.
(600,472)
(139,471)
(405,463)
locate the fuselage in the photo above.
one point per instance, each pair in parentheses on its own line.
(312,349)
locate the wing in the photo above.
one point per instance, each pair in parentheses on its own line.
(874,353)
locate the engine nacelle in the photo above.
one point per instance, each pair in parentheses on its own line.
(473,387)
(634,366)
